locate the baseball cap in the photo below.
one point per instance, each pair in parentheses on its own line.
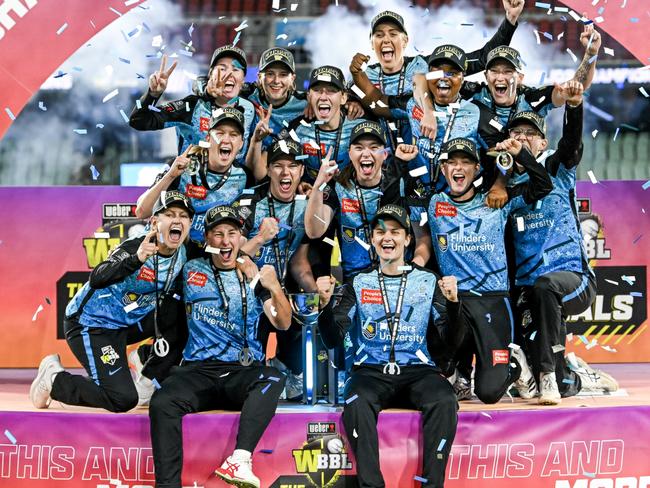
(221,213)
(231,51)
(284,149)
(529,117)
(394,212)
(173,198)
(449,53)
(387,16)
(461,144)
(327,74)
(507,53)
(227,113)
(367,128)
(277,55)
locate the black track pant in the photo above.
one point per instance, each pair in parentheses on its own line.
(102,353)
(552,298)
(208,385)
(418,387)
(491,332)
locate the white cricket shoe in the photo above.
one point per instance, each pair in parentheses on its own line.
(594,380)
(39,392)
(525,385)
(238,472)
(549,393)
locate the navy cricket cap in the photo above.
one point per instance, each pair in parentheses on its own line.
(173,198)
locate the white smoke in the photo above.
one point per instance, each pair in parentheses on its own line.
(119,57)
(336,36)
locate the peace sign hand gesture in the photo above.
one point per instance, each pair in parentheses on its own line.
(158,80)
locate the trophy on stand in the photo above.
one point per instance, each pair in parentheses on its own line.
(319,377)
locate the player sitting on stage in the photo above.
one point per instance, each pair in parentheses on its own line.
(223,360)
(401,317)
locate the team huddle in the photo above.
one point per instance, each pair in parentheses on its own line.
(454,223)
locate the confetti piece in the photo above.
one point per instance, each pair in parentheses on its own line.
(363,244)
(424,217)
(636,294)
(128,3)
(358,91)
(281,36)
(115,11)
(124,116)
(354,433)
(495,123)
(61,29)
(478,294)
(42,106)
(266,451)
(609,51)
(110,95)
(275,5)
(643,92)
(351,399)
(568,381)
(543,5)
(637,239)
(80,131)
(532,336)
(419,171)
(420,479)
(422,357)
(513,346)
(266,388)
(594,133)
(485,414)
(156,384)
(242,26)
(131,306)
(592,177)
(157,41)
(102,235)
(10,114)
(435,75)
(573,56)
(212,250)
(254,281)
(557,348)
(520,224)
(224,375)
(329,241)
(630,280)
(608,349)
(93,172)
(10,436)
(274,312)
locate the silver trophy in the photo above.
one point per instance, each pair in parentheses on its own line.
(196,155)
(304,307)
(503,159)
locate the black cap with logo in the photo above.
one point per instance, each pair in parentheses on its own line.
(327,74)
(461,144)
(448,53)
(529,117)
(277,55)
(387,16)
(507,53)
(367,128)
(231,114)
(173,198)
(394,212)
(231,51)
(221,213)
(284,149)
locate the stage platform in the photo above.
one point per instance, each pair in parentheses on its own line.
(586,442)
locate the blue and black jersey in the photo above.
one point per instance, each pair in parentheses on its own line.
(217,331)
(190,116)
(546,234)
(208,189)
(253,207)
(121,291)
(430,327)
(468,237)
(348,203)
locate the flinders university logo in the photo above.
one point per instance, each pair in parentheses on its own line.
(321,462)
(443,242)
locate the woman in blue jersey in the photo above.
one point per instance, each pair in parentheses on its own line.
(405,322)
(190,116)
(129,298)
(394,74)
(218,180)
(223,363)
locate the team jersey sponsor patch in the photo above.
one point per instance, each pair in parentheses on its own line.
(204,124)
(197,192)
(500,356)
(444,209)
(369,295)
(417,113)
(197,279)
(146,274)
(309,149)
(348,205)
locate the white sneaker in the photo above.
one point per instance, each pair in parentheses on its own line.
(549,394)
(239,473)
(143,385)
(39,392)
(525,385)
(594,380)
